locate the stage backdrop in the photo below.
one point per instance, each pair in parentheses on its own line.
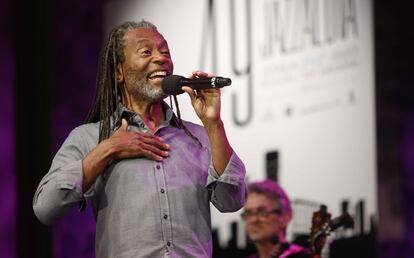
(301,106)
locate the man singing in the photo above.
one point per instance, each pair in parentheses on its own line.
(149,174)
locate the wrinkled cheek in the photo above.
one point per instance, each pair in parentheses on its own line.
(171,66)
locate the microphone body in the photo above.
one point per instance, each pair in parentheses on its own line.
(172,84)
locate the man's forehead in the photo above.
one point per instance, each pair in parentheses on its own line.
(257,199)
(143,34)
(258,207)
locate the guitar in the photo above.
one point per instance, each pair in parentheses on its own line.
(318,235)
(322,226)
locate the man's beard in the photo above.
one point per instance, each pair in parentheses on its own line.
(140,88)
(260,233)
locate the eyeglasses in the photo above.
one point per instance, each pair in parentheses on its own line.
(260,214)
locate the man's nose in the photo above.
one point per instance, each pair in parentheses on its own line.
(254,217)
(160,58)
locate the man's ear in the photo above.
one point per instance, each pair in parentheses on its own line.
(119,74)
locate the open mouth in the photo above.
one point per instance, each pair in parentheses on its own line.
(157,75)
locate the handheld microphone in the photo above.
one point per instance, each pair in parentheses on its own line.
(172,84)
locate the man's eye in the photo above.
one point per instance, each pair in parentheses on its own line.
(146,52)
(166,53)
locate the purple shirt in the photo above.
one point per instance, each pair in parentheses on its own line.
(145,208)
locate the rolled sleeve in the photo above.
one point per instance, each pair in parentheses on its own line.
(71,178)
(61,188)
(229,189)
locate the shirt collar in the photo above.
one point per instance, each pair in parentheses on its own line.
(135,120)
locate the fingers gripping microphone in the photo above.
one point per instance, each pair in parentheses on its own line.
(172,84)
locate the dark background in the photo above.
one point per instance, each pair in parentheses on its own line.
(49,52)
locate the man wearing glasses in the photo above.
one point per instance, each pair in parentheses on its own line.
(267,214)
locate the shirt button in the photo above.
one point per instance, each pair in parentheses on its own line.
(162,190)
(169,243)
(165,216)
(158,166)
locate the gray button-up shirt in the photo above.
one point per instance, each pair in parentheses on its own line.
(145,208)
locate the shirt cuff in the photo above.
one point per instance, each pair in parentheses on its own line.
(70,177)
(233,173)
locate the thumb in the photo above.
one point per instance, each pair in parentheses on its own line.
(124,125)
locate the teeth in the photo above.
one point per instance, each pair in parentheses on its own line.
(158,73)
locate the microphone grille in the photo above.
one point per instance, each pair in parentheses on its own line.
(223,81)
(171,85)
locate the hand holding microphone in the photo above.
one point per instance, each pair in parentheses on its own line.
(205,101)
